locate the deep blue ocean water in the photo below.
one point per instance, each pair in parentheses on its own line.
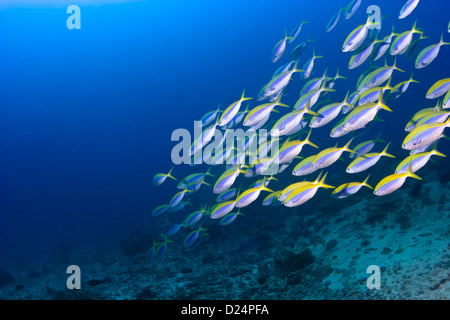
(86,115)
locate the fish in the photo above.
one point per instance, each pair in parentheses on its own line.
(280,81)
(300,49)
(401,88)
(209,117)
(329,156)
(393,182)
(429,54)
(428,147)
(176,199)
(302,194)
(384,45)
(417,161)
(192,238)
(229,218)
(351,9)
(348,189)
(290,149)
(378,77)
(416,118)
(311,97)
(424,135)
(372,95)
(332,81)
(367,161)
(151,253)
(180,206)
(221,209)
(357,36)
(226,180)
(280,48)
(227,195)
(365,147)
(314,84)
(296,32)
(328,113)
(174,230)
(363,114)
(250,195)
(272,199)
(230,112)
(446,101)
(403,41)
(159,178)
(159,210)
(362,54)
(334,20)
(260,112)
(438,89)
(193,218)
(162,246)
(339,130)
(309,65)
(304,167)
(289,121)
(193,178)
(433,117)
(408,8)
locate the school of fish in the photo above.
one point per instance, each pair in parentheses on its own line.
(372,94)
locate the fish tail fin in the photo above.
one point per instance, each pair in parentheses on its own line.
(364,183)
(410,174)
(388,86)
(308,108)
(208,173)
(384,152)
(243,98)
(309,141)
(382,104)
(304,22)
(318,178)
(169,175)
(378,138)
(436,152)
(411,78)
(395,66)
(323,184)
(415,30)
(347,146)
(442,40)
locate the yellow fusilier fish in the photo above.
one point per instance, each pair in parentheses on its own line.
(438,116)
(438,89)
(286,191)
(393,182)
(304,167)
(364,114)
(329,113)
(424,135)
(176,199)
(403,41)
(301,195)
(348,189)
(417,161)
(250,195)
(272,199)
(427,56)
(222,209)
(226,180)
(365,147)
(260,112)
(357,36)
(368,160)
(232,111)
(288,122)
(290,149)
(329,156)
(159,178)
(410,126)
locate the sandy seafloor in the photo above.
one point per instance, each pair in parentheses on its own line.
(300,256)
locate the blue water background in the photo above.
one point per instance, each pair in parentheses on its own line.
(86,115)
